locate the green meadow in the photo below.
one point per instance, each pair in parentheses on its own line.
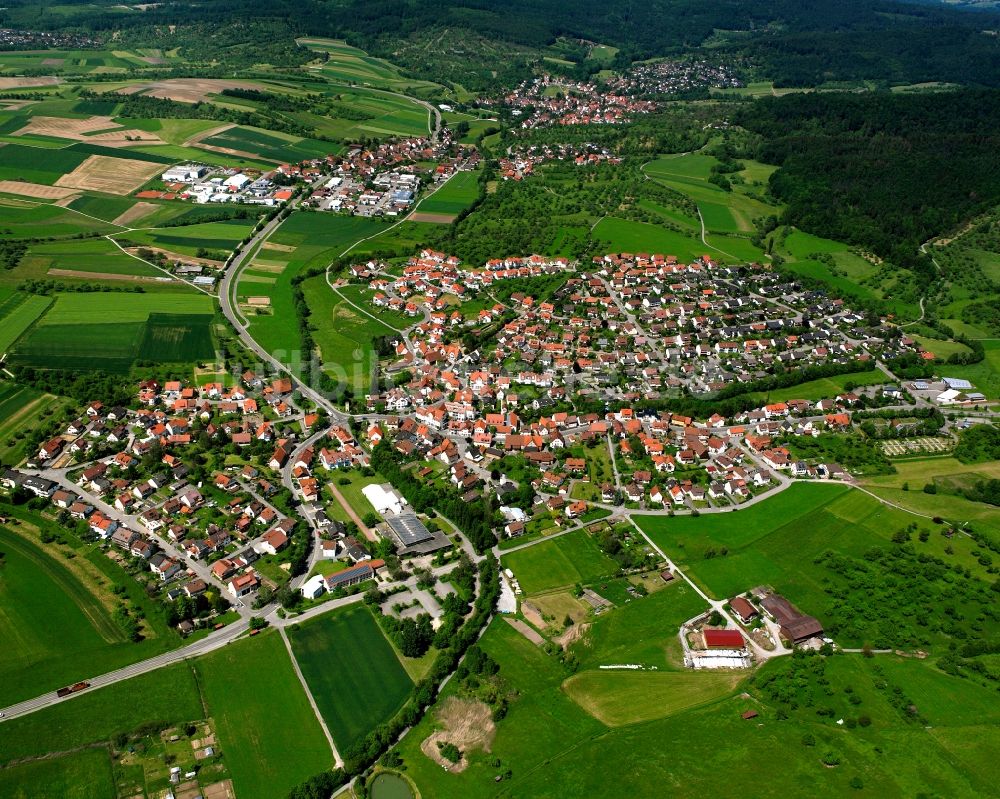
(562,562)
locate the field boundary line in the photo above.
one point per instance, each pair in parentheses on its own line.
(338,761)
(110,237)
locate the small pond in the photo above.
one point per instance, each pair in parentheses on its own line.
(389,786)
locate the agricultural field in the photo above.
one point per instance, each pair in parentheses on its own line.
(352,672)
(270,145)
(18,311)
(25,219)
(341,62)
(159,325)
(562,562)
(218,238)
(457,194)
(90,260)
(259,714)
(59,615)
(304,241)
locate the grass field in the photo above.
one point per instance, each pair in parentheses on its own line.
(623,235)
(826,387)
(564,561)
(343,334)
(315,240)
(167,695)
(352,672)
(21,408)
(769,543)
(453,197)
(259,715)
(985,375)
(81,775)
(627,697)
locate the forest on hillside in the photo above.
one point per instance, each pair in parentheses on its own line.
(880,170)
(795,42)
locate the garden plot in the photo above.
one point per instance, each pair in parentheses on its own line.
(909,446)
(110,175)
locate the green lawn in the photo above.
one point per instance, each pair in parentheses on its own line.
(352,672)
(266,727)
(564,561)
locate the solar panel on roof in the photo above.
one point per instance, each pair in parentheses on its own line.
(409,529)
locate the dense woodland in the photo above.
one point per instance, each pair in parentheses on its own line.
(885,171)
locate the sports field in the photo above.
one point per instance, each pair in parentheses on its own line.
(352,672)
(266,727)
(564,561)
